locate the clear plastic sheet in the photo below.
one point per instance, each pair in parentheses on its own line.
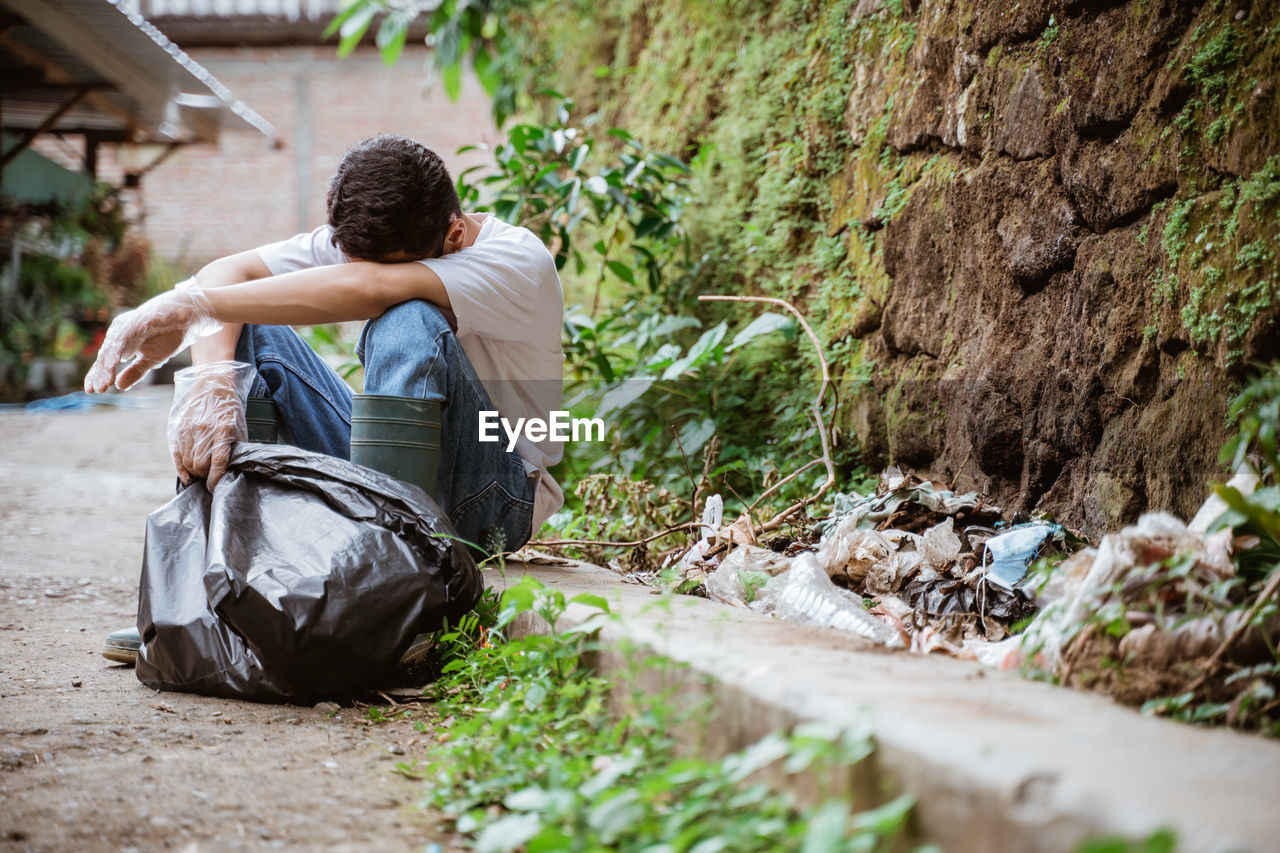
(805,594)
(940,546)
(302,577)
(850,551)
(725,584)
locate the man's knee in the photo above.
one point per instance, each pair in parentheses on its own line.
(415,318)
(406,349)
(412,328)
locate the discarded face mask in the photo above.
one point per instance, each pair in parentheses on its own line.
(1011,553)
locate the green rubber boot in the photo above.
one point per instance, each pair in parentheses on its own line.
(399,436)
(260,417)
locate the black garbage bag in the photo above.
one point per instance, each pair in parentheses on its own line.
(302,577)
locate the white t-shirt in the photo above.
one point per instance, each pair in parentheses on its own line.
(509,308)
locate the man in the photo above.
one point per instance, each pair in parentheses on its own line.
(463,310)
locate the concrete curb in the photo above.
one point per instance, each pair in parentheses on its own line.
(998,763)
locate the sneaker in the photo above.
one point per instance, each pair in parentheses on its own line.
(122,646)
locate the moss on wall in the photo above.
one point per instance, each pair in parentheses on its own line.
(1036,218)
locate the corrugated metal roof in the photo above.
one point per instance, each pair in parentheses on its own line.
(193,23)
(144,82)
(289,10)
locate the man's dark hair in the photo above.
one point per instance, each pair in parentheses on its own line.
(391,194)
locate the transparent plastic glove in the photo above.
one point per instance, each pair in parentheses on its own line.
(207,418)
(149,335)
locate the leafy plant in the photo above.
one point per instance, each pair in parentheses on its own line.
(474,32)
(544,178)
(533,760)
(1256,412)
(38,318)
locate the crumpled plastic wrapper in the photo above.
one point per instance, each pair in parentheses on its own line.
(940,546)
(850,551)
(725,584)
(896,490)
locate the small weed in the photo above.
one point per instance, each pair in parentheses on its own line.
(1217,129)
(1175,230)
(534,760)
(1049,35)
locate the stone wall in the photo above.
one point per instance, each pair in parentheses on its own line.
(1040,238)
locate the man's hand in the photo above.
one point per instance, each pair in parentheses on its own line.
(207,418)
(150,335)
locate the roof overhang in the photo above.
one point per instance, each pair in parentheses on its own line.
(98,68)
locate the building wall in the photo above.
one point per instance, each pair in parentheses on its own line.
(206,201)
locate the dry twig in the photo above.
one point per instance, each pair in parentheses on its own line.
(560,543)
(1216,658)
(824,434)
(693,500)
(812,463)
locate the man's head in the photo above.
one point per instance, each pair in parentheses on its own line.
(391,199)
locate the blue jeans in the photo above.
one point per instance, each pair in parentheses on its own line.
(410,351)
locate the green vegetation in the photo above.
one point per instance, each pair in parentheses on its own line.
(531,749)
(532,759)
(1050,33)
(1212,67)
(77,261)
(474,32)
(1221,244)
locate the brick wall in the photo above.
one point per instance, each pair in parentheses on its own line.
(206,201)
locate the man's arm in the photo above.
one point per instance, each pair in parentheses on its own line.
(161,327)
(225,272)
(359,290)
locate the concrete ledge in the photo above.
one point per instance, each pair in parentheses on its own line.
(998,763)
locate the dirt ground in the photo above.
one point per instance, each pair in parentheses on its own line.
(90,759)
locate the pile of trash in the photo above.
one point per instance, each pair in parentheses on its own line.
(913,566)
(1162,614)
(1157,613)
(1180,618)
